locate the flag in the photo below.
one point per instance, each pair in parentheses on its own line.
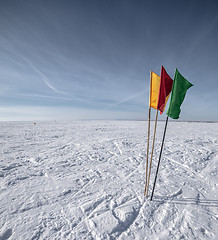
(166,84)
(154,90)
(179,89)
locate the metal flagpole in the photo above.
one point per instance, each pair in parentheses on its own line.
(159,158)
(146,172)
(155,126)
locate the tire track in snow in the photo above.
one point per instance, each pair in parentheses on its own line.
(147,214)
(135,217)
(120,151)
(185,167)
(85,185)
(88,215)
(62,210)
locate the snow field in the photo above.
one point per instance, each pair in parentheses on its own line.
(85,180)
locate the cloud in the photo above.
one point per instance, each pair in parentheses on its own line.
(43,96)
(126,99)
(43,77)
(36,113)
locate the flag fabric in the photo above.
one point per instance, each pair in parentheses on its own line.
(166,84)
(154,90)
(179,89)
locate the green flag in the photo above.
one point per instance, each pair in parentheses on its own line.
(179,89)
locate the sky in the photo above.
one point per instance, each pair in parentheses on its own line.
(82,59)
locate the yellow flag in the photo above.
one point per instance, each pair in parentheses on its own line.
(166,102)
(154,90)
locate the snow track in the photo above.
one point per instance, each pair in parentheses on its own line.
(85,180)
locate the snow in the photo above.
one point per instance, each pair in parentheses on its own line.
(85,180)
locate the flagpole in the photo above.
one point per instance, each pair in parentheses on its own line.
(146,172)
(155,126)
(159,158)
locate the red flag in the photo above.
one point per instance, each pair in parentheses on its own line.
(166,84)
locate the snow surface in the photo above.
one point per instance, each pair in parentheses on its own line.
(85,180)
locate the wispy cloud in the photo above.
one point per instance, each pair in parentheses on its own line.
(86,101)
(51,57)
(126,99)
(43,96)
(43,77)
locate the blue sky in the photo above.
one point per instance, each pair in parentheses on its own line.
(70,60)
